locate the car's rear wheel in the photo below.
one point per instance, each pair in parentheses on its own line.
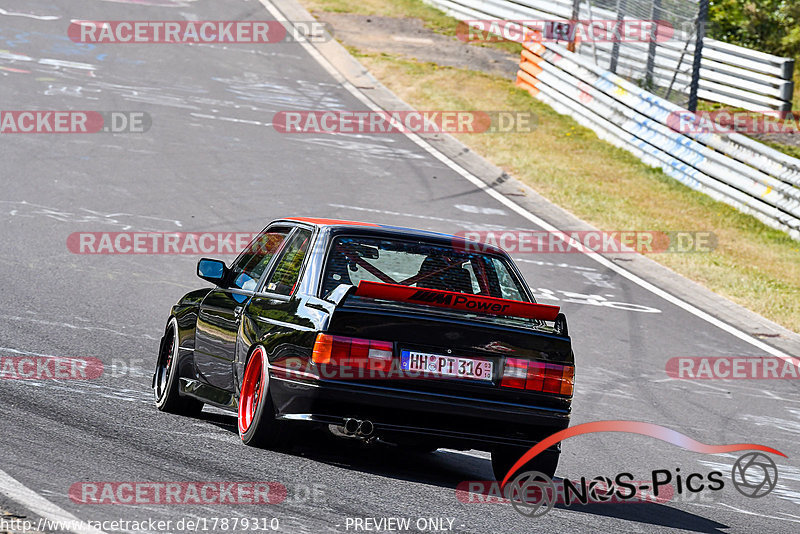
(504,459)
(257,424)
(165,380)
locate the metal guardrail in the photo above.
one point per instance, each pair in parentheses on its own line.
(729,74)
(745,78)
(730,168)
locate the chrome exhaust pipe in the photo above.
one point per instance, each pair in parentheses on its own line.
(351,426)
(366,429)
(357,427)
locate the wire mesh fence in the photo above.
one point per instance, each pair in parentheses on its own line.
(662,59)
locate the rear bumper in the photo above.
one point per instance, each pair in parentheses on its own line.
(444,419)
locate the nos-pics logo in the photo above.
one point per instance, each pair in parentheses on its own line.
(534,494)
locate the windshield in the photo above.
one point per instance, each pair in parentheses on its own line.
(419,264)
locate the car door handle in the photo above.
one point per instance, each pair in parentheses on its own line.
(237,311)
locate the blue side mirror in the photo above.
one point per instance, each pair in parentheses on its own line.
(211,270)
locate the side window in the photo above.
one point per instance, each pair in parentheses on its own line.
(287,270)
(254,260)
(508,287)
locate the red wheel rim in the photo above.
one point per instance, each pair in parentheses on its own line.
(251,390)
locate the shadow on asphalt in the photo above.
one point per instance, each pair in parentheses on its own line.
(447,469)
(649,514)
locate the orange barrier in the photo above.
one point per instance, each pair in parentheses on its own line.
(529,67)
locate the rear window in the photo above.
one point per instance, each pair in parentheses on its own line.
(416,264)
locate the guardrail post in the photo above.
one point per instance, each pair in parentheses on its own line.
(621,4)
(576,5)
(655,13)
(700,33)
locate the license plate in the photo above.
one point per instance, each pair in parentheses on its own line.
(446,366)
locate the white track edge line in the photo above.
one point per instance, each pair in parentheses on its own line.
(16,491)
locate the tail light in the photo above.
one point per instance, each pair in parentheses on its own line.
(352,352)
(538,376)
(514,373)
(568,380)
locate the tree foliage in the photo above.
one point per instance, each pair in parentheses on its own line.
(771,26)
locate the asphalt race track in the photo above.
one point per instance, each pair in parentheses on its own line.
(212,162)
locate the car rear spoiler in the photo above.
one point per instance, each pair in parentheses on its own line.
(456,301)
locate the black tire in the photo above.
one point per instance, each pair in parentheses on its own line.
(165,379)
(257,424)
(504,459)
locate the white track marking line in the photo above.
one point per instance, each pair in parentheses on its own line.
(416,40)
(477,182)
(417,216)
(29,353)
(43,508)
(28,15)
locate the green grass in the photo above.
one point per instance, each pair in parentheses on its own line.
(432,18)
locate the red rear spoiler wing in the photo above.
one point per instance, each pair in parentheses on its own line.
(456,301)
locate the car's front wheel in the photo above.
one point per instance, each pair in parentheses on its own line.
(257,424)
(165,379)
(504,459)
